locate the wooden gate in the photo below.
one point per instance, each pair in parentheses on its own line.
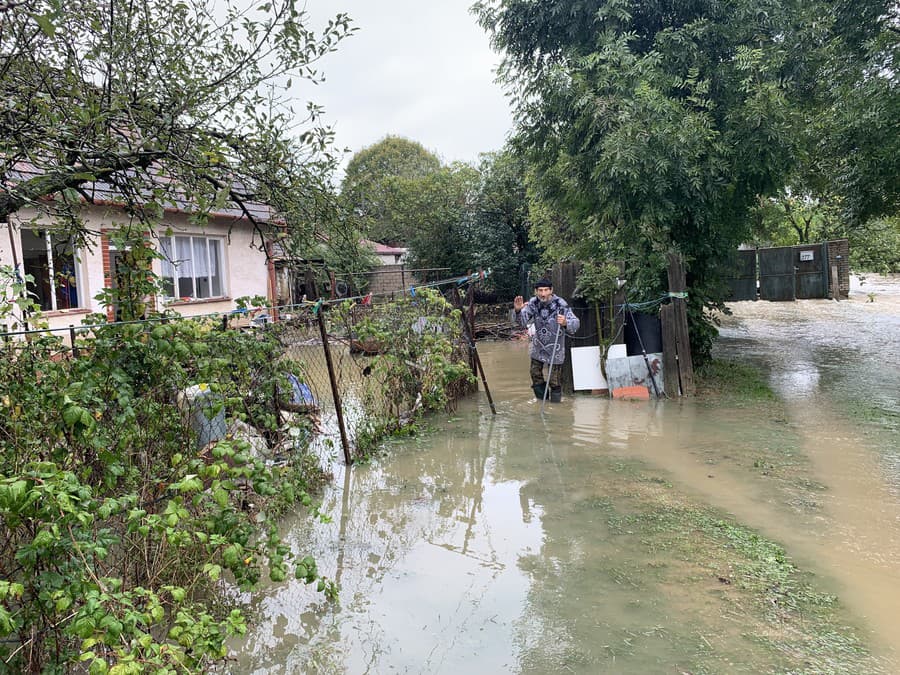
(792,272)
(743,283)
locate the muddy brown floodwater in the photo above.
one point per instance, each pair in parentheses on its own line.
(490,544)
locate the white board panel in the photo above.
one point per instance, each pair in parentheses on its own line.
(617,352)
(586,373)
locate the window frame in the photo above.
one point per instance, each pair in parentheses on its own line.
(172,263)
(51,280)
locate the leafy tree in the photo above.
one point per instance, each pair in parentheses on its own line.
(502,222)
(457,216)
(155,104)
(875,246)
(657,126)
(373,178)
(787,220)
(436,211)
(854,139)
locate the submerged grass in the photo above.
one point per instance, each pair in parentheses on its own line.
(759,609)
(733,383)
(773,449)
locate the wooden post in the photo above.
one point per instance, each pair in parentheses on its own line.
(474,359)
(670,363)
(334,388)
(457,303)
(678,287)
(835,283)
(72,339)
(470,311)
(309,284)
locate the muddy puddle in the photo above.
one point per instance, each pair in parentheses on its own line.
(578,541)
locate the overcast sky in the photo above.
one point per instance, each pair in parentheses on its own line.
(415,68)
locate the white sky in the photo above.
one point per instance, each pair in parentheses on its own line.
(421,69)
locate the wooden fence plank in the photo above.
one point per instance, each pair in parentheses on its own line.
(670,362)
(677,286)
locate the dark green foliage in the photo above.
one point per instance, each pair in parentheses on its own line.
(875,246)
(502,222)
(378,177)
(654,127)
(117,530)
(437,214)
(454,217)
(852,148)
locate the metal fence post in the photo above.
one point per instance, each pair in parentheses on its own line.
(72,338)
(335,394)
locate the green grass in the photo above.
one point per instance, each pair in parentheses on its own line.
(794,625)
(733,383)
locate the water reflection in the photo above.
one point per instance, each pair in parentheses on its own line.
(487,546)
(405,530)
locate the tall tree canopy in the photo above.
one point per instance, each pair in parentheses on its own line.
(852,145)
(656,126)
(160,103)
(437,212)
(456,216)
(502,222)
(373,178)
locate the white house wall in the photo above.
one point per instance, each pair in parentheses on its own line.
(245,265)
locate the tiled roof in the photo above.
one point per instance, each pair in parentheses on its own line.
(382,249)
(102,192)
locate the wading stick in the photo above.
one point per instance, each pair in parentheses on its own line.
(550,371)
(483,378)
(335,394)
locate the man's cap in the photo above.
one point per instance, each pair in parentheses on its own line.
(543,283)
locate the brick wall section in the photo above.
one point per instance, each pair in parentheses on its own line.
(839,254)
(390,278)
(107,272)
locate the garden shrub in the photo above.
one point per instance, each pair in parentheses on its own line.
(123,540)
(419,362)
(120,538)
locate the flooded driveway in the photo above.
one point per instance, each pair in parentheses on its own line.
(574,541)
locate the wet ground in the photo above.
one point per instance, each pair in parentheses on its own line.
(610,536)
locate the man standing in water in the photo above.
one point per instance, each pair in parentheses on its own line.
(549,314)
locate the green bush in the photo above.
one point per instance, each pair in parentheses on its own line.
(419,362)
(875,246)
(120,537)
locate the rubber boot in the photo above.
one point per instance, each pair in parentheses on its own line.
(555,394)
(538,390)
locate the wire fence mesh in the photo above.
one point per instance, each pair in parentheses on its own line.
(355,370)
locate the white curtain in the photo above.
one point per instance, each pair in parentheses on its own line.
(201,266)
(215,247)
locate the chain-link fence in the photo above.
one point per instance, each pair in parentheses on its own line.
(355,370)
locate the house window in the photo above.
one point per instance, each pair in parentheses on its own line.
(51,261)
(191,267)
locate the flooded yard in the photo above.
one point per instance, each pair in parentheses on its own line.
(609,536)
